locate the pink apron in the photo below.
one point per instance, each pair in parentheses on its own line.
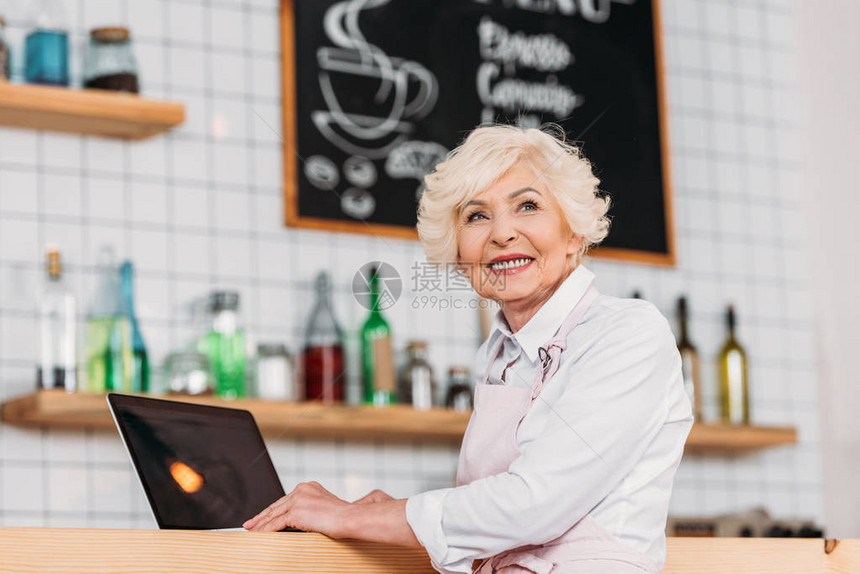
(490,446)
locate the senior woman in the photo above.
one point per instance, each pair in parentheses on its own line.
(580,413)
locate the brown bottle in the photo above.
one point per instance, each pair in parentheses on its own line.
(689,361)
(323,374)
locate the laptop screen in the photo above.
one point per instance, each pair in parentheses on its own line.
(202,467)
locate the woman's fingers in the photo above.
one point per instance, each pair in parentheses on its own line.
(266,513)
(248,524)
(275,518)
(275,512)
(309,507)
(272,523)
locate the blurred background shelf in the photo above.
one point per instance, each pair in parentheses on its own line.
(275,419)
(91,112)
(724,439)
(314,420)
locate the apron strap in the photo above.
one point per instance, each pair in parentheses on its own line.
(551,352)
(494,353)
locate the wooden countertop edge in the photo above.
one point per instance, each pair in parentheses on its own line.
(109,550)
(180,551)
(762,556)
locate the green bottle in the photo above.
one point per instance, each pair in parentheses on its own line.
(224,344)
(376,352)
(734,385)
(140,360)
(109,354)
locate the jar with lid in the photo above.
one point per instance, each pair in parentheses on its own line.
(5,58)
(46,48)
(276,380)
(415,384)
(459,395)
(110,63)
(188,372)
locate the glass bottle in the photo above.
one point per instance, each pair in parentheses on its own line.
(140,361)
(323,369)
(224,344)
(109,354)
(459,395)
(734,388)
(376,352)
(57,366)
(110,62)
(47,45)
(5,58)
(689,361)
(416,386)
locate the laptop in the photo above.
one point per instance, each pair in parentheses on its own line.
(202,467)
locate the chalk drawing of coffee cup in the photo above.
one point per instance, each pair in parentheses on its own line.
(398,91)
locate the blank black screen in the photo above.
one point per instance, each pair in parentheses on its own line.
(231,475)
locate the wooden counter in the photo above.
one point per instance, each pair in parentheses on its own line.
(179,551)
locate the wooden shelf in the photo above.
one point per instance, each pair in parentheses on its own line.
(313,420)
(721,438)
(91,112)
(275,419)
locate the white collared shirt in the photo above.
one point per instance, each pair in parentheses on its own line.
(604,437)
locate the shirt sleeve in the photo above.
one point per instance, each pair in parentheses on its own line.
(615,403)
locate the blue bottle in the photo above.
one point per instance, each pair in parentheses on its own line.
(46,48)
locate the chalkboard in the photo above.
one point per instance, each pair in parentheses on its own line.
(376,92)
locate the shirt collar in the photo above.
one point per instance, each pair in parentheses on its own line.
(546,322)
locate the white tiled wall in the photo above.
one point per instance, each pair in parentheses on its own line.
(201,208)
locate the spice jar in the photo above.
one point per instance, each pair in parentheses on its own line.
(416,385)
(276,380)
(459,395)
(5,72)
(188,372)
(110,63)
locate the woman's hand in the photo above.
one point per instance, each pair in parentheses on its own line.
(376,517)
(308,507)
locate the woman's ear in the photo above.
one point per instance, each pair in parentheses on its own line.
(574,244)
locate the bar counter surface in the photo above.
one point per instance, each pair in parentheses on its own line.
(181,551)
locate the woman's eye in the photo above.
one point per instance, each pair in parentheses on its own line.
(528,205)
(474,217)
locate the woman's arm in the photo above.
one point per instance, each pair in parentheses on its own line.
(376,517)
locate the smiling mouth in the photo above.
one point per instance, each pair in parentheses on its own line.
(510,264)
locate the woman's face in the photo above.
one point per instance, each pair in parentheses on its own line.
(513,241)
